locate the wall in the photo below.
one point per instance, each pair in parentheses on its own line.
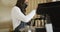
(5,14)
(5,9)
(33,4)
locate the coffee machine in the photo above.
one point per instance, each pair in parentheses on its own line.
(51,9)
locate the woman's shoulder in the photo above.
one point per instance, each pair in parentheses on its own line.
(16,10)
(15,7)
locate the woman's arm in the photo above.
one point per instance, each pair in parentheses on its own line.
(20,16)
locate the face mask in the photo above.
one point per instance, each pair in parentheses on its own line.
(24,6)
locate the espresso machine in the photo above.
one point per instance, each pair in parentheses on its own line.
(51,13)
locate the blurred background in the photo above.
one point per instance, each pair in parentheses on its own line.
(5,14)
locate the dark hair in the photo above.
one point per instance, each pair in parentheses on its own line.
(19,4)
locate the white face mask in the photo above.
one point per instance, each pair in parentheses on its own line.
(8,2)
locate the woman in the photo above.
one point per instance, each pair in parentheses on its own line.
(19,18)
